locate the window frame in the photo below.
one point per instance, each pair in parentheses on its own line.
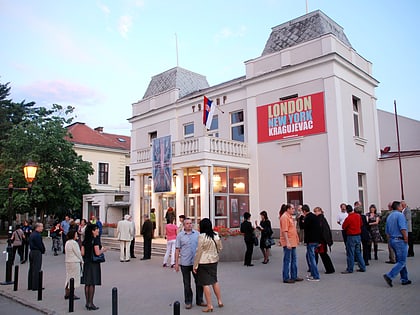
(103,174)
(237,124)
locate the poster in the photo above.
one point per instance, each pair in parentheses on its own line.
(162,164)
(300,116)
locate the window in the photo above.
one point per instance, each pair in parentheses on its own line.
(103,173)
(237,125)
(361,180)
(356,116)
(294,189)
(214,128)
(152,135)
(188,130)
(127,176)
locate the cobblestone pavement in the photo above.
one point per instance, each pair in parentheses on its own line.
(144,287)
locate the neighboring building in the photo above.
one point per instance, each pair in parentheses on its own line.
(110,158)
(301,127)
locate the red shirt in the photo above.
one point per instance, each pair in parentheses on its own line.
(353,224)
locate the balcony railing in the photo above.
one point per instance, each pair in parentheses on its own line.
(190,146)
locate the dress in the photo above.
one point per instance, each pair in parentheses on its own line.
(73,260)
(266,233)
(374,228)
(91,270)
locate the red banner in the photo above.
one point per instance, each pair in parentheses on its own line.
(300,116)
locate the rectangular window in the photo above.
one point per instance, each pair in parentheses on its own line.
(103,173)
(361,180)
(294,189)
(237,126)
(214,128)
(127,176)
(152,135)
(188,130)
(356,116)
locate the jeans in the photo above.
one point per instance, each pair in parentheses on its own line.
(400,248)
(310,257)
(353,250)
(289,263)
(188,294)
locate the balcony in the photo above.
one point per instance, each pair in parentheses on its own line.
(202,147)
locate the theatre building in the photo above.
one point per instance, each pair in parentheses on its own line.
(300,127)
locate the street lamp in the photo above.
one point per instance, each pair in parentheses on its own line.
(29,171)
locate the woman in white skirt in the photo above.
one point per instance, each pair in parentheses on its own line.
(74,263)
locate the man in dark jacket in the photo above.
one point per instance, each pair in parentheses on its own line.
(147,232)
(37,248)
(312,237)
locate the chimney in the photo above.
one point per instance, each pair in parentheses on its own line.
(99,129)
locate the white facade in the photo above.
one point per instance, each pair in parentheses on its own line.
(335,166)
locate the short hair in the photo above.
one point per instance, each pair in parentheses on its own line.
(395,205)
(181,216)
(349,208)
(305,208)
(70,235)
(127,217)
(247,215)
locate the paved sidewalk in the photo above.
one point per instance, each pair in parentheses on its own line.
(144,287)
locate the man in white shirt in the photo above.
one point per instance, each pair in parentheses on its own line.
(342,215)
(125,235)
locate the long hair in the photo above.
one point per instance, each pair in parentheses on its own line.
(88,233)
(372,206)
(283,208)
(264,214)
(207,228)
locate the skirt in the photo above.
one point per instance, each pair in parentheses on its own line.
(73,271)
(207,274)
(91,274)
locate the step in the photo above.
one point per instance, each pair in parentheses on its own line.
(158,247)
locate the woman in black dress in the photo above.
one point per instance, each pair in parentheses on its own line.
(248,231)
(91,270)
(266,232)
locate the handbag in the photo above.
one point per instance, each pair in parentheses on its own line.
(255,240)
(98,258)
(269,242)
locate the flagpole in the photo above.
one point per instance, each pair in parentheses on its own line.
(176,48)
(399,150)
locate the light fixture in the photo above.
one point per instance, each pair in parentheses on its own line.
(30,170)
(199,172)
(150,177)
(132,179)
(175,175)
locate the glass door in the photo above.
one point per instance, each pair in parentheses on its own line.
(193,209)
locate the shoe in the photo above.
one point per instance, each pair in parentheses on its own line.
(208,310)
(407,282)
(361,270)
(388,280)
(313,279)
(221,304)
(55,254)
(172,266)
(164,265)
(144,258)
(92,308)
(202,304)
(265,262)
(390,262)
(410,255)
(289,281)
(346,272)
(367,264)
(329,272)
(122,261)
(66,297)
(250,265)
(133,257)
(127,260)
(76,298)
(298,279)
(189,306)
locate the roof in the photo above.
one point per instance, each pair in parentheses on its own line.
(305,28)
(186,81)
(80,133)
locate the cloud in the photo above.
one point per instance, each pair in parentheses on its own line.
(227,33)
(104,8)
(124,25)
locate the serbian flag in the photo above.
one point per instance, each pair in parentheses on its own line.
(208,112)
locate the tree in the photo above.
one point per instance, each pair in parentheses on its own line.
(62,176)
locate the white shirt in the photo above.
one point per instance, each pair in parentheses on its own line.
(341,217)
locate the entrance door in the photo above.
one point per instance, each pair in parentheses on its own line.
(165,201)
(193,209)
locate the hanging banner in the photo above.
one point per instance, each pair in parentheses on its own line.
(162,164)
(300,116)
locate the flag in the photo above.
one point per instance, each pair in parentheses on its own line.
(208,112)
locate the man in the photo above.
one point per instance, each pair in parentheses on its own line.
(153,220)
(391,254)
(396,231)
(289,239)
(125,235)
(407,214)
(65,225)
(186,246)
(312,228)
(352,225)
(181,223)
(147,232)
(340,219)
(95,220)
(36,245)
(133,241)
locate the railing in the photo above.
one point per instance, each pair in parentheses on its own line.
(200,145)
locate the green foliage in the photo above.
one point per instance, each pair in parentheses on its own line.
(39,135)
(415,217)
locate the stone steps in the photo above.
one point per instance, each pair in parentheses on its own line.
(158,246)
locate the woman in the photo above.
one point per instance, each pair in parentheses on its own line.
(171,231)
(55,233)
(74,262)
(248,231)
(375,235)
(205,262)
(81,231)
(92,270)
(18,239)
(326,242)
(266,232)
(27,230)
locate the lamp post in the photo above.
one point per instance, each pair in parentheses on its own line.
(29,171)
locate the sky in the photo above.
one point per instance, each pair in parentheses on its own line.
(100,55)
